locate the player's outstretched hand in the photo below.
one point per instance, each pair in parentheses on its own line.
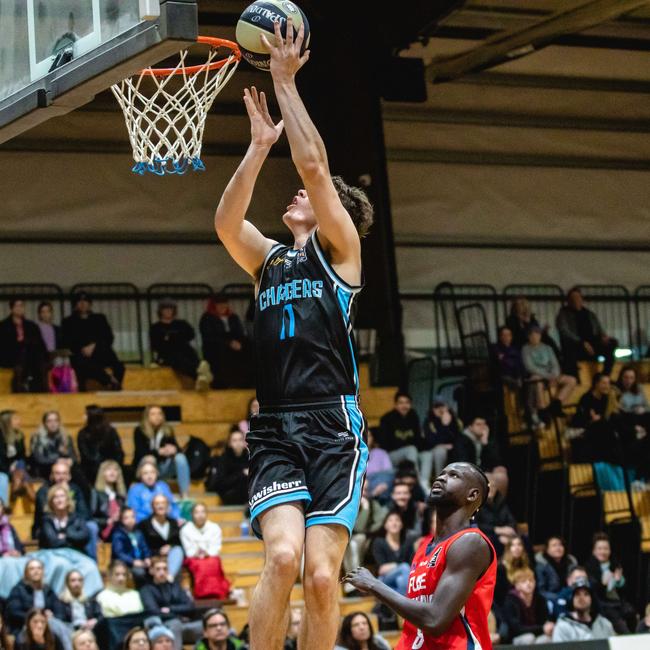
(285,52)
(361,579)
(263,131)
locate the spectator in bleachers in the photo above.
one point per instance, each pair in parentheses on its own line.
(474,445)
(393,552)
(216,632)
(252,410)
(33,592)
(368,523)
(561,604)
(155,437)
(98,441)
(402,501)
(514,558)
(201,540)
(60,475)
(595,415)
(162,534)
(13,457)
(161,637)
(379,470)
(357,633)
(543,370)
(10,544)
(84,640)
(508,360)
(440,433)
(519,320)
(582,622)
(526,612)
(108,497)
(136,639)
(171,340)
(90,338)
(293,629)
(22,349)
(495,518)
(644,624)
(399,430)
(224,342)
(552,568)
(50,442)
(165,598)
(128,544)
(37,634)
(582,336)
(141,494)
(634,422)
(228,472)
(50,333)
(608,582)
(61,527)
(118,599)
(79,611)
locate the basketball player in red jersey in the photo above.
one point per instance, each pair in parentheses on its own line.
(452,578)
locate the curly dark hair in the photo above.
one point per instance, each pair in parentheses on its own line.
(356,202)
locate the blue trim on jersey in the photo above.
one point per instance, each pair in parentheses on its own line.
(468,630)
(347,515)
(344,298)
(328,267)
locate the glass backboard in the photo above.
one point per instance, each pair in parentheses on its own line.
(50,47)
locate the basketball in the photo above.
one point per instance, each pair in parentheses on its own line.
(258,18)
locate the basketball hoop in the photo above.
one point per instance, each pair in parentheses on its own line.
(165,108)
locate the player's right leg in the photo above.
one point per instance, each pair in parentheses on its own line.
(283,530)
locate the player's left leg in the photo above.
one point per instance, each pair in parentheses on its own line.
(324,549)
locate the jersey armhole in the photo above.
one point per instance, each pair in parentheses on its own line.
(269,255)
(328,267)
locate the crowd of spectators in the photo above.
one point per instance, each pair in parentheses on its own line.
(86,494)
(79,354)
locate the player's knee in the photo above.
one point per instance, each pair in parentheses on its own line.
(283,560)
(321,583)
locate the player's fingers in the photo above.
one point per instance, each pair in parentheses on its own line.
(255,98)
(305,57)
(301,37)
(248,102)
(263,104)
(279,127)
(278,33)
(289,32)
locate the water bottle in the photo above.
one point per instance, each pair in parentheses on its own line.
(244,528)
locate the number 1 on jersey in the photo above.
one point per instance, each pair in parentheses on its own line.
(288,309)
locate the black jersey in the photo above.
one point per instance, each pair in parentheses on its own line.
(303,328)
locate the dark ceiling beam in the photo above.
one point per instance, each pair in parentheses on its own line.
(511,44)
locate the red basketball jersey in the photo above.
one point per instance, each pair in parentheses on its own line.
(469,631)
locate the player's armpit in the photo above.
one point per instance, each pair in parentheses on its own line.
(247,246)
(467,560)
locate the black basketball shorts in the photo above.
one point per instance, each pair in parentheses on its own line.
(313,453)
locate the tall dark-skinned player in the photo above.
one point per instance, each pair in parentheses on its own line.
(451,585)
(307,452)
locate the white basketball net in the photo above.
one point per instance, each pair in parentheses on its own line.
(165,115)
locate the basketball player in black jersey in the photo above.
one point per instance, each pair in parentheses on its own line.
(307,453)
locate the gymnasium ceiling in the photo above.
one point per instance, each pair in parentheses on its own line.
(579,99)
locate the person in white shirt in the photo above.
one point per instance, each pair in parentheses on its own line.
(200,537)
(117,599)
(201,540)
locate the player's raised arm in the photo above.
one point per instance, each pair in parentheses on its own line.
(467,559)
(336,229)
(242,239)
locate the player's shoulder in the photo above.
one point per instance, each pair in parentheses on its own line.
(469,547)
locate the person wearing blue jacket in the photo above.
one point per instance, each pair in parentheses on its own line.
(129,545)
(148,486)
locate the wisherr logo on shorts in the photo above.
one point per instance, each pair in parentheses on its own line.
(274,488)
